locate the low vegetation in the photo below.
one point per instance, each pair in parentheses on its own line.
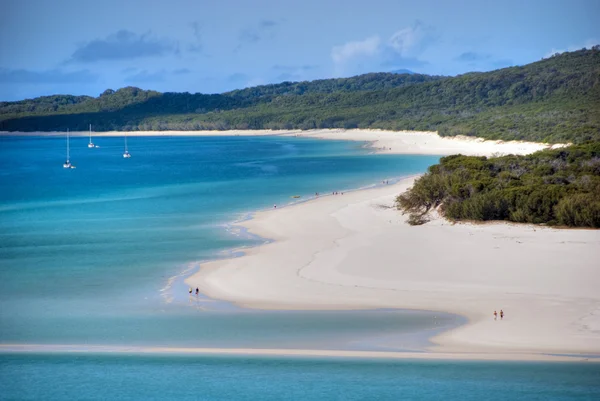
(554,187)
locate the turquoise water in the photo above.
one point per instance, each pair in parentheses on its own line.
(117,377)
(86,253)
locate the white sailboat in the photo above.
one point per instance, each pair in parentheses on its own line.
(126,155)
(68,164)
(91,145)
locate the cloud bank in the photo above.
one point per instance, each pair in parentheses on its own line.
(123,45)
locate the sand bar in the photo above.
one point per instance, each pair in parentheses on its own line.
(282,352)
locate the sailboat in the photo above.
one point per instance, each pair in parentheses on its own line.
(91,145)
(126,155)
(68,164)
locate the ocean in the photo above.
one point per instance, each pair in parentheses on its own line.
(151,377)
(96,255)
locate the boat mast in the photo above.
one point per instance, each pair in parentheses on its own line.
(126,142)
(68,145)
(90,133)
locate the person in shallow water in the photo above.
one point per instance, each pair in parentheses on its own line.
(190,291)
(197,291)
(495,315)
(501,314)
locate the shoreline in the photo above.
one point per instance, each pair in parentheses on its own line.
(6,349)
(380,141)
(179,280)
(212,275)
(449,345)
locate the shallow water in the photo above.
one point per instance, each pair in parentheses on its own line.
(85,252)
(123,377)
(87,257)
(385,330)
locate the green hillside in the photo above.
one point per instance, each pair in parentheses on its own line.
(152,102)
(552,100)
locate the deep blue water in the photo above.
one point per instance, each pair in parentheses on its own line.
(118,377)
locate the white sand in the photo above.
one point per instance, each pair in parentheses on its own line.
(430,143)
(355,251)
(350,251)
(391,142)
(95,349)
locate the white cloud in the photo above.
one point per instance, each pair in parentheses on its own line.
(351,50)
(404,40)
(588,45)
(371,54)
(411,41)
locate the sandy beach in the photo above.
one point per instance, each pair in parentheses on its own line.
(387,142)
(427,143)
(355,251)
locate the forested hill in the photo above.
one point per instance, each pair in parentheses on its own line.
(553,100)
(163,103)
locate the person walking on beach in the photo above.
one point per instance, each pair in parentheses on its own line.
(197,290)
(501,314)
(190,291)
(495,315)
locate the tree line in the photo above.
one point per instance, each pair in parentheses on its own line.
(552,100)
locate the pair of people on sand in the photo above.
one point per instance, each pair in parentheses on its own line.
(190,291)
(501,315)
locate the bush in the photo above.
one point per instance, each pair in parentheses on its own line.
(548,187)
(580,210)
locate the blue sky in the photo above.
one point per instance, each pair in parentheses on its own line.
(83,47)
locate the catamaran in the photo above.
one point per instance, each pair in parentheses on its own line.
(68,164)
(126,154)
(91,145)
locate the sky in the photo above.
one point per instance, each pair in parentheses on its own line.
(83,47)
